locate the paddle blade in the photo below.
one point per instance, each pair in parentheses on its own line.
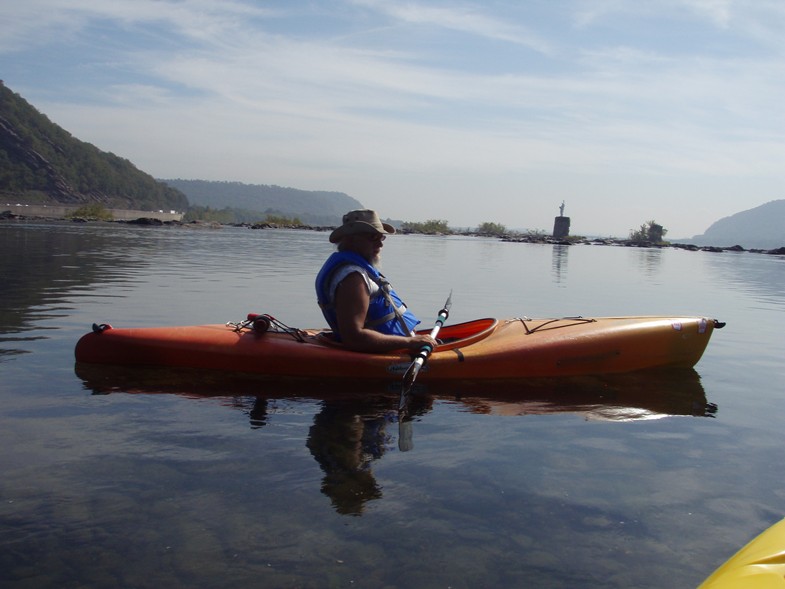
(405,435)
(448,303)
(411,373)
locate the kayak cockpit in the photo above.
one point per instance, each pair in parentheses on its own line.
(464,334)
(450,336)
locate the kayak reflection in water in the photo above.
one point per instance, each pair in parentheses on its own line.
(357,301)
(345,439)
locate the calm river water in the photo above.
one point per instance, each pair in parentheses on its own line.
(151,480)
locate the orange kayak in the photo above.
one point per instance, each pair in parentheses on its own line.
(484,349)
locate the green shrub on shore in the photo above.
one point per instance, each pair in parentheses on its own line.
(488,228)
(651,232)
(281,220)
(430,227)
(91,212)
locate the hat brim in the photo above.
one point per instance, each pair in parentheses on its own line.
(355,227)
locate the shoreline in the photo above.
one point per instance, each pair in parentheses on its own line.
(7,216)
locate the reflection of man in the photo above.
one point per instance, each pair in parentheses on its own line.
(344,442)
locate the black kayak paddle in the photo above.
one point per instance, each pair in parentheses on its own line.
(423,354)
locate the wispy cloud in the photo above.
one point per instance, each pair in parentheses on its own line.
(39,22)
(465,18)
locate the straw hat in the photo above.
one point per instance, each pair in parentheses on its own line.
(361,221)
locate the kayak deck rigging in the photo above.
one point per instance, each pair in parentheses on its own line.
(550,322)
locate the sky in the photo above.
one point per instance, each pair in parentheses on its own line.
(465,111)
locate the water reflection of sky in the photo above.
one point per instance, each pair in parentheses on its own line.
(350,431)
(761,276)
(171,484)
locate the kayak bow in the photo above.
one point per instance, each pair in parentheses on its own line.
(759,565)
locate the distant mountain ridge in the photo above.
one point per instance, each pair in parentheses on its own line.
(760,228)
(42,163)
(313,207)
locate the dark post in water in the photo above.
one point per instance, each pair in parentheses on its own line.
(561,225)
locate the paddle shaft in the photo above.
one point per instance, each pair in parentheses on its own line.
(425,351)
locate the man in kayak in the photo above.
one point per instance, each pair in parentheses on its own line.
(361,307)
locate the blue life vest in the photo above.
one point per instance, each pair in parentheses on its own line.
(386,311)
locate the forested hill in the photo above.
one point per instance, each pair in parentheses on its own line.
(311,207)
(41,162)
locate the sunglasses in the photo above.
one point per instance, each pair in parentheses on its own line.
(373,236)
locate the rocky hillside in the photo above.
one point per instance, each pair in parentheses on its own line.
(762,227)
(41,163)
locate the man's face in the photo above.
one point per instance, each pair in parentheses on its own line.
(369,246)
